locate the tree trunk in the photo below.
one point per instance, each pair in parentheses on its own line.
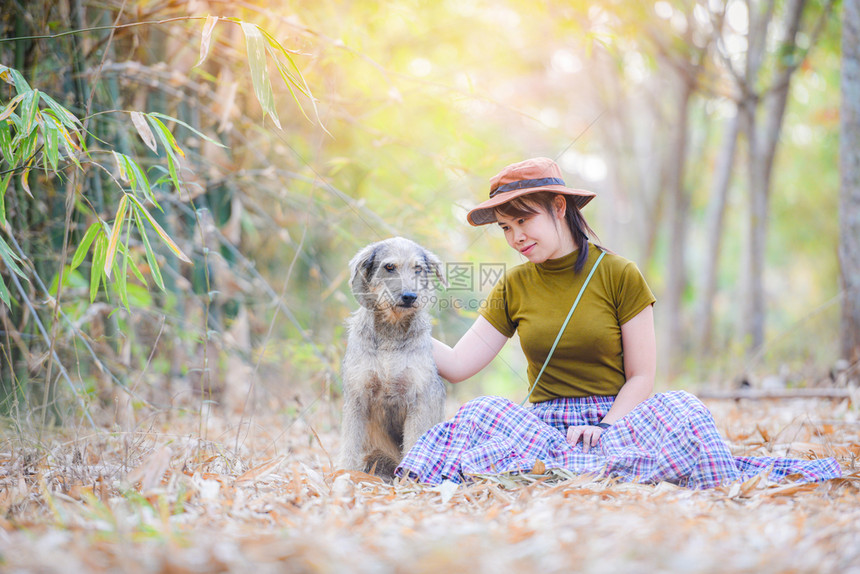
(679,205)
(754,309)
(762,152)
(849,199)
(716,218)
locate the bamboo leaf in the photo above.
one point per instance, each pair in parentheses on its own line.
(30,106)
(14,77)
(64,116)
(120,285)
(27,147)
(294,78)
(70,145)
(51,135)
(98,269)
(208,28)
(6,142)
(5,74)
(289,79)
(180,122)
(173,175)
(10,259)
(165,136)
(4,293)
(154,270)
(120,164)
(161,233)
(4,185)
(84,247)
(289,82)
(125,252)
(121,277)
(131,263)
(115,232)
(131,172)
(256,48)
(10,107)
(142,181)
(144,130)
(24,179)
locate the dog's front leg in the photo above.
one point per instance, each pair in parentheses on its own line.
(353,435)
(428,411)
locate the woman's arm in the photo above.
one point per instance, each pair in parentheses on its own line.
(640,364)
(473,351)
(640,368)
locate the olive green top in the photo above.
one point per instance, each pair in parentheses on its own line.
(534,299)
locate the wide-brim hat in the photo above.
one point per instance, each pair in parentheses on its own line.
(519,179)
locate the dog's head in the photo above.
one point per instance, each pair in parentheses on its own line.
(393,276)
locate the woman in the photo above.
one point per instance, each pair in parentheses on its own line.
(590,378)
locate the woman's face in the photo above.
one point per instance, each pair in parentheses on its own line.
(538,236)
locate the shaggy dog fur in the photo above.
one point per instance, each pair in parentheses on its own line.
(392,392)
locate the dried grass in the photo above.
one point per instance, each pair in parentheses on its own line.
(168,501)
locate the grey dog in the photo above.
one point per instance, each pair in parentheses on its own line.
(392,391)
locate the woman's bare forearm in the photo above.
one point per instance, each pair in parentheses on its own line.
(473,352)
(634,391)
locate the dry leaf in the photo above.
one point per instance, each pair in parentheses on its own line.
(825,450)
(343,487)
(151,470)
(446,489)
(358,476)
(789,489)
(144,130)
(206,40)
(260,471)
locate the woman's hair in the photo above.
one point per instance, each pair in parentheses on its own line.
(534,203)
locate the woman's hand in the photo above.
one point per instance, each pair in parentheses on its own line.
(589,435)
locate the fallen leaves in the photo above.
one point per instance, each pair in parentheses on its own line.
(184,505)
(151,471)
(261,471)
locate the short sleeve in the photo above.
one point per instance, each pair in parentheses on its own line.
(495,309)
(632,293)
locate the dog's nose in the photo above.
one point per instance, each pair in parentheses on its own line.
(408,298)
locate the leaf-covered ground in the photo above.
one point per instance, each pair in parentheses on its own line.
(162,500)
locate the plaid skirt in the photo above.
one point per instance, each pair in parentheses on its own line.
(669,437)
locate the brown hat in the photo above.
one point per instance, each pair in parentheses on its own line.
(518,179)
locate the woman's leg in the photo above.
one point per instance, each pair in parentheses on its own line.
(488,435)
(672,436)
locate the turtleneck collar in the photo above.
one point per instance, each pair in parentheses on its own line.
(564,262)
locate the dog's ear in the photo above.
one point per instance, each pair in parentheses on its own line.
(362,267)
(431,262)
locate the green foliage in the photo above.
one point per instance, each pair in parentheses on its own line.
(422,103)
(51,125)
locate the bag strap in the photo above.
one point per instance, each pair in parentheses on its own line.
(563,326)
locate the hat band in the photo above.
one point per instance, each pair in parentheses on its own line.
(524,183)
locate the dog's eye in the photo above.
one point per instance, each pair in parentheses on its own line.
(389,266)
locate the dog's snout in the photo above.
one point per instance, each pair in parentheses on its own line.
(408,298)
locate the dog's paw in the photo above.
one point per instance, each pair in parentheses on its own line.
(380,464)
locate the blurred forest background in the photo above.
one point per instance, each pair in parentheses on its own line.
(224,171)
